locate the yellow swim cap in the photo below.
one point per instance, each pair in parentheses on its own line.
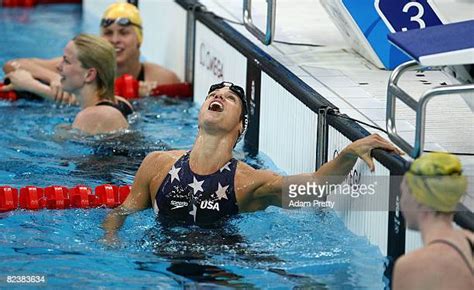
(126,10)
(435,180)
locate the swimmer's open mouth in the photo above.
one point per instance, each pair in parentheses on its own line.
(216,106)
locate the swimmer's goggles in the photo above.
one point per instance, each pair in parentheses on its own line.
(106,22)
(239,91)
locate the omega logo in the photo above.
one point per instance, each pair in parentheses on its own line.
(211,62)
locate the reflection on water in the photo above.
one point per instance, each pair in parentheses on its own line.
(191,250)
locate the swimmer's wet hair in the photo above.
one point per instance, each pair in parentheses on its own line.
(95,52)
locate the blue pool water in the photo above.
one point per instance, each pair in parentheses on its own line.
(271,249)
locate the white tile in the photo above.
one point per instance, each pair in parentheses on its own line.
(365,103)
(321,72)
(337,81)
(352,92)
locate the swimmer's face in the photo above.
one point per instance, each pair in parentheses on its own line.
(221,109)
(73,75)
(125,41)
(409,206)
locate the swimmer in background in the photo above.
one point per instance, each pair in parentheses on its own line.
(121,25)
(87,70)
(431,189)
(206,184)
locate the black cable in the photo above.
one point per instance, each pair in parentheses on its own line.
(361,122)
(385,131)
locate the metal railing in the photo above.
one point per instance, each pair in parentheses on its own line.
(394,92)
(267,37)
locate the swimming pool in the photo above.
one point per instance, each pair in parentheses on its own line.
(275,248)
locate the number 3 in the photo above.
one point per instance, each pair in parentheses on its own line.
(417,17)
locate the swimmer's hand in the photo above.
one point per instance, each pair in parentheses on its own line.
(20,80)
(60,96)
(145,88)
(363,148)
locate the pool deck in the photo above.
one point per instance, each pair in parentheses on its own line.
(354,84)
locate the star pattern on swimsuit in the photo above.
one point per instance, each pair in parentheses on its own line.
(174,173)
(221,191)
(225,167)
(196,185)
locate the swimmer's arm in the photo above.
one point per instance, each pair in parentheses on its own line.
(41,69)
(267,187)
(137,200)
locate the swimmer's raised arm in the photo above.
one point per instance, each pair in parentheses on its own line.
(265,187)
(138,199)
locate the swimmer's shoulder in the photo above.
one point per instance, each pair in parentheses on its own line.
(157,165)
(244,171)
(422,268)
(101,113)
(256,188)
(99,119)
(413,270)
(162,75)
(163,159)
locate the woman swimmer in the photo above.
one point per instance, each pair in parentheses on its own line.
(87,70)
(207,184)
(431,189)
(121,25)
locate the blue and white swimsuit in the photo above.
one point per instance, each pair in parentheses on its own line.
(197,199)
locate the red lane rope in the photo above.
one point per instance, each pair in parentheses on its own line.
(9,96)
(61,197)
(128,87)
(31,3)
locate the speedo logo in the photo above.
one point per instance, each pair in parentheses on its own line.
(178,204)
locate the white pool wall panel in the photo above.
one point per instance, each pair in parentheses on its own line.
(288,129)
(215,61)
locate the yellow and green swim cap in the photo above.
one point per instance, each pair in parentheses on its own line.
(436,180)
(125,11)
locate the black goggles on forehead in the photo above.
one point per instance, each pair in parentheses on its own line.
(239,91)
(106,22)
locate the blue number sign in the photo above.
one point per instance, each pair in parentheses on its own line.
(378,18)
(403,15)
